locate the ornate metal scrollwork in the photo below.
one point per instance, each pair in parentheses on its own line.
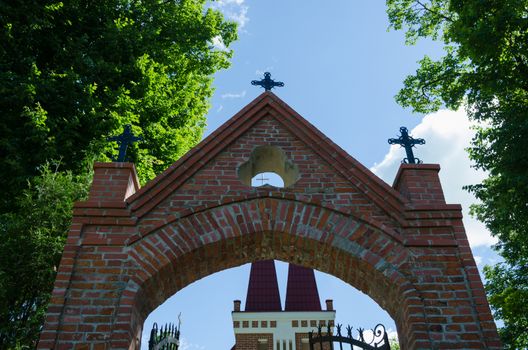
(407,142)
(374,339)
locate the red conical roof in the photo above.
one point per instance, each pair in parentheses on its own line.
(301,292)
(263,289)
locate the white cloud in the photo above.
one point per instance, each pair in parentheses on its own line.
(478,259)
(234,95)
(185,345)
(218,43)
(447,134)
(235,10)
(219,109)
(392,335)
(229,2)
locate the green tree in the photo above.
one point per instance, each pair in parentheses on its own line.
(73,73)
(33,237)
(394,343)
(508,293)
(485,70)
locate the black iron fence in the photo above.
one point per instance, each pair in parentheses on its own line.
(375,339)
(164,338)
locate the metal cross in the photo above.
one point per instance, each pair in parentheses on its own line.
(406,141)
(124,140)
(262,179)
(267,83)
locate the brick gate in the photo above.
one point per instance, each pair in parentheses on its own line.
(129,249)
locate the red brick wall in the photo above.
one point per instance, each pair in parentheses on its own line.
(408,251)
(420,183)
(250,341)
(113,182)
(299,344)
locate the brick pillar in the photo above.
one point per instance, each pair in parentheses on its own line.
(451,297)
(420,183)
(113,182)
(329,305)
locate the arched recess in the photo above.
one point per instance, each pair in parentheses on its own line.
(269,159)
(207,241)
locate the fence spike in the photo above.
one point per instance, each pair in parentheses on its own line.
(349,331)
(360,331)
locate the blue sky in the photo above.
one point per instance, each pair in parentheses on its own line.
(341,68)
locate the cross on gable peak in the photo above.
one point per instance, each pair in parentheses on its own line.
(267,83)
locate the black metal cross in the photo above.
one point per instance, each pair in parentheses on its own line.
(406,141)
(262,179)
(267,83)
(124,140)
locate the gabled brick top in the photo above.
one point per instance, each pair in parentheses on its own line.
(267,105)
(263,289)
(301,292)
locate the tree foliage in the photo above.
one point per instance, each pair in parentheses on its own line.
(73,73)
(33,237)
(484,69)
(394,343)
(508,293)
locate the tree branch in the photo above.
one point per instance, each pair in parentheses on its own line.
(449,19)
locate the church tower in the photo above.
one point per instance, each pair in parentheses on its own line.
(263,325)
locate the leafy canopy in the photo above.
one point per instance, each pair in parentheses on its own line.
(32,242)
(73,73)
(485,69)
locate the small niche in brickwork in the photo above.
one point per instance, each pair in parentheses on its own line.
(266,162)
(270,179)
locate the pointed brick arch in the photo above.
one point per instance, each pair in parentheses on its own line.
(129,249)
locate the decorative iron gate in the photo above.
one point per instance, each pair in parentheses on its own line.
(375,339)
(165,338)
